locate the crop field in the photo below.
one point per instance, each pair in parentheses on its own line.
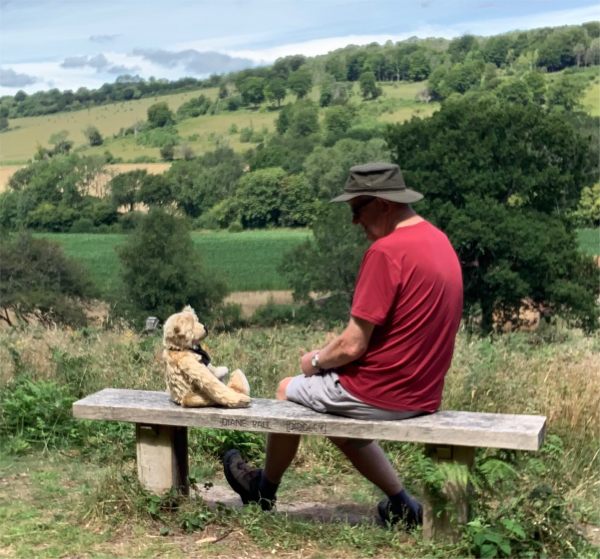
(247,261)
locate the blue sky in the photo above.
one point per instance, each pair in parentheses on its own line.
(72,43)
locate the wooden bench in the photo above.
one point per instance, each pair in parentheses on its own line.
(162,450)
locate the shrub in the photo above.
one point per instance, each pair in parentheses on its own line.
(162,271)
(36,414)
(235,227)
(82,225)
(39,281)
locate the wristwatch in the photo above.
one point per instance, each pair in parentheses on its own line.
(315,361)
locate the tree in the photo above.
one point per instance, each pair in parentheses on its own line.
(62,145)
(499,179)
(3,118)
(49,193)
(93,136)
(368,86)
(337,121)
(329,262)
(159,115)
(162,271)
(559,48)
(124,188)
(564,92)
(199,184)
(40,282)
(167,152)
(252,90)
(155,191)
(459,48)
(258,197)
(304,119)
(300,82)
(275,90)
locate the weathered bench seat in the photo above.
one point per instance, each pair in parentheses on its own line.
(161,431)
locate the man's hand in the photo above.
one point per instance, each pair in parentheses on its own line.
(342,349)
(306,365)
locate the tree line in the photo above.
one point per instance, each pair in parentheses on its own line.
(549,49)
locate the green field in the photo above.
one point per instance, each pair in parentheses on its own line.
(247,261)
(589,240)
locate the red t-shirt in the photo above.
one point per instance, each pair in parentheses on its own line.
(410,286)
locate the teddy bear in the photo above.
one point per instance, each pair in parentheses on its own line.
(192,380)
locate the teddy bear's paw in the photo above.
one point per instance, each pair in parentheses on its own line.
(241,401)
(220,372)
(194,400)
(239,382)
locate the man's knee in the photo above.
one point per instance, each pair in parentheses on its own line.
(280,394)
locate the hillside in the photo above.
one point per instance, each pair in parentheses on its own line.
(201,134)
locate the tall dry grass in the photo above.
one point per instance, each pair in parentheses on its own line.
(521,373)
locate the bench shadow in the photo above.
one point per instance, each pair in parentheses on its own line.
(350,513)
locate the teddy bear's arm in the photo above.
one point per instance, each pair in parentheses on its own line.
(211,386)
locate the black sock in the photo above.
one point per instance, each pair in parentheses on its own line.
(406,507)
(266,488)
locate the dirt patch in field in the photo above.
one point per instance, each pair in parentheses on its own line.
(252,300)
(6,172)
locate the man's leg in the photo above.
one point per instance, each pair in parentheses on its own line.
(370,460)
(254,485)
(281,449)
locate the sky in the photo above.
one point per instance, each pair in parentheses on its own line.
(67,44)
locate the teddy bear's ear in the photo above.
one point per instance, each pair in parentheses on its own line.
(188,308)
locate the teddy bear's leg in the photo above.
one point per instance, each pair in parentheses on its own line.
(193,400)
(239,382)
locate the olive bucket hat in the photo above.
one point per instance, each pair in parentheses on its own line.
(381,180)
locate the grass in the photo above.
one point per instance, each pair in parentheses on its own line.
(247,261)
(589,240)
(82,499)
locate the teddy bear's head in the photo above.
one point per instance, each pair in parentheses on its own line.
(182,330)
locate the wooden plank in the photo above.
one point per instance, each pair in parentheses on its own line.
(520,432)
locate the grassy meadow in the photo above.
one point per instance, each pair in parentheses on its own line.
(69,488)
(247,261)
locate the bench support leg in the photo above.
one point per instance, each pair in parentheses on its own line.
(443,514)
(162,457)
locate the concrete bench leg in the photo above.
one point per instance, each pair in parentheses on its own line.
(162,457)
(444,515)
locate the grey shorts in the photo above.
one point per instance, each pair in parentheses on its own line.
(325,394)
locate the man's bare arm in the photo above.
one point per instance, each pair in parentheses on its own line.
(345,348)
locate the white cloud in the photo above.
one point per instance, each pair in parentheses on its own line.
(484,28)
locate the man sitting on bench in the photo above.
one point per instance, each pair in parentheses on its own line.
(390,361)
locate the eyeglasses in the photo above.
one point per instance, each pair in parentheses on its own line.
(358,208)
